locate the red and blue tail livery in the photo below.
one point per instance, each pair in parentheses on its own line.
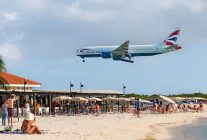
(172,38)
(126,51)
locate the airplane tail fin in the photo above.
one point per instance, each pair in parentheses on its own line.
(172,38)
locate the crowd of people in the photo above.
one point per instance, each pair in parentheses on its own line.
(166,107)
(73,108)
(93,107)
(8,110)
(28,125)
(90,107)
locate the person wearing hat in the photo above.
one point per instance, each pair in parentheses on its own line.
(29,126)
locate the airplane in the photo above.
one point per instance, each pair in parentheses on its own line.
(125,51)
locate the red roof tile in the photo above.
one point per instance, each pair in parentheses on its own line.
(13,79)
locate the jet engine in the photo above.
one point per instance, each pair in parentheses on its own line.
(106,54)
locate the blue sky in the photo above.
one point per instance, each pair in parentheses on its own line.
(38,40)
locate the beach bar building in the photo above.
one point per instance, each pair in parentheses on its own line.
(27,92)
(17,84)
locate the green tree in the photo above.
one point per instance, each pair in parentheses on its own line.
(2,69)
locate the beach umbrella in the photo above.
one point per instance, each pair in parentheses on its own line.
(123,99)
(198,98)
(145,101)
(110,98)
(94,99)
(79,99)
(177,98)
(132,99)
(167,99)
(61,98)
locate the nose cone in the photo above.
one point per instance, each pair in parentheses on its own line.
(77,52)
(178,47)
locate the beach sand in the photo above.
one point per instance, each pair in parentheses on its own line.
(106,127)
(193,131)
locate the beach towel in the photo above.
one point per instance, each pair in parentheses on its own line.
(17,131)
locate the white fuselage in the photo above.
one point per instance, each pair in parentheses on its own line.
(134,50)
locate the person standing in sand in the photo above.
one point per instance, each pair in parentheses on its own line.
(4,113)
(138,106)
(97,109)
(10,105)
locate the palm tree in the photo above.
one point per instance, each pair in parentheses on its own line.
(2,69)
(2,65)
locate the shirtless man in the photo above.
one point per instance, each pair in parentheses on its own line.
(10,103)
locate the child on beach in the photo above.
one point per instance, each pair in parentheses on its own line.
(4,113)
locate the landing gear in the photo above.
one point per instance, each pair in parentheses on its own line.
(124,58)
(129,56)
(84,60)
(130,60)
(127,60)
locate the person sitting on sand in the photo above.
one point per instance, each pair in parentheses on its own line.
(195,108)
(170,108)
(29,126)
(185,108)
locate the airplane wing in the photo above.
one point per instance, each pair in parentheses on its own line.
(122,49)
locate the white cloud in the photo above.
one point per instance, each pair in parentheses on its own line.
(18,36)
(195,5)
(192,5)
(75,11)
(101,10)
(98,11)
(34,6)
(10,16)
(10,52)
(6,17)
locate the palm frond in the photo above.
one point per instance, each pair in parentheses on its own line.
(2,65)
(4,84)
(3,81)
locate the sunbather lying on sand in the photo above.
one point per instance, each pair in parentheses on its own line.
(29,126)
